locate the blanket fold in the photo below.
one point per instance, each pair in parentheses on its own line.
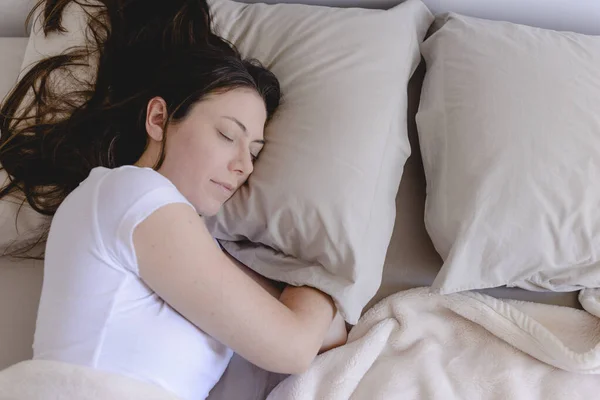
(419,345)
(50,380)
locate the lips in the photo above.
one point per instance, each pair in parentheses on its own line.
(225,186)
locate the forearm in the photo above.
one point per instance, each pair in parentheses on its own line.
(336,336)
(305,303)
(315,312)
(274,288)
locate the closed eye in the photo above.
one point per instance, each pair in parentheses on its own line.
(225,136)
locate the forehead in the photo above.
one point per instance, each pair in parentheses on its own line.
(245,105)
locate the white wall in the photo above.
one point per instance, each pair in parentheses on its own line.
(572,15)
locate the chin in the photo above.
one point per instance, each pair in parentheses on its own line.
(210,213)
(209,210)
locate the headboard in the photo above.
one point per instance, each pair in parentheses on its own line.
(579,16)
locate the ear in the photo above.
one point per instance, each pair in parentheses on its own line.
(156,116)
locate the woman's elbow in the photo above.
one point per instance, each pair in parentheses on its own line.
(300,364)
(294,360)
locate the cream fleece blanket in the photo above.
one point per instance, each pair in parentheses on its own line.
(49,380)
(417,345)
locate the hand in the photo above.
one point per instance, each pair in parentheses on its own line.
(336,336)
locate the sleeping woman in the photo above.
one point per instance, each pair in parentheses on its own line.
(127,167)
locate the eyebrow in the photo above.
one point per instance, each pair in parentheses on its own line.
(242,127)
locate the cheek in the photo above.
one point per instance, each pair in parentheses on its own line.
(191,164)
(212,155)
(181,164)
(208,161)
(192,151)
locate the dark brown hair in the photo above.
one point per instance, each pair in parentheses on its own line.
(57,123)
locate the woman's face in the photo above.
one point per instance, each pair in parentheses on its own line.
(210,153)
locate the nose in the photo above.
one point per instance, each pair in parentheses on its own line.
(243,164)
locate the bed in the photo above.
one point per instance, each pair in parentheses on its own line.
(411,261)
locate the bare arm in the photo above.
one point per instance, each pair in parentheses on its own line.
(179,260)
(274,288)
(336,336)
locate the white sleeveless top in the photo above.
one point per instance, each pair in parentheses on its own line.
(97,312)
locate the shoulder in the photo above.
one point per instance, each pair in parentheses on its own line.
(131,178)
(126,197)
(134,190)
(127,186)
